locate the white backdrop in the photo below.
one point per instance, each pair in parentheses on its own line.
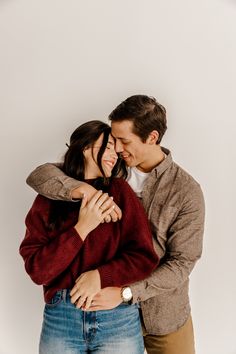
(65,62)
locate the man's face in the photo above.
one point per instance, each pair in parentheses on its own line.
(129,145)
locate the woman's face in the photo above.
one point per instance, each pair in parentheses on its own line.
(109,158)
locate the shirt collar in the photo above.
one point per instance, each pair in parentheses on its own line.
(162,167)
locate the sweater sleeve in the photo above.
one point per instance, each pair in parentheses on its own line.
(49,181)
(46,257)
(136,258)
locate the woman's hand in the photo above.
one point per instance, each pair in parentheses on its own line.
(89,191)
(93,212)
(87,285)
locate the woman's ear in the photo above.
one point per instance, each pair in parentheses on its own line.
(152,137)
(86,151)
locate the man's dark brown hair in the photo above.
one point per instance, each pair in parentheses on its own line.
(145,113)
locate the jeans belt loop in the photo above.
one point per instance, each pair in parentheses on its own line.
(64,294)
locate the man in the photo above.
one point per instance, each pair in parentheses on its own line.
(175,207)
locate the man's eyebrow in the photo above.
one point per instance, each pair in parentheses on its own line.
(120,138)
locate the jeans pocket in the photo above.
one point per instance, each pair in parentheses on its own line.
(56,299)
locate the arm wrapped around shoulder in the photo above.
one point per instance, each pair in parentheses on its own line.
(50,181)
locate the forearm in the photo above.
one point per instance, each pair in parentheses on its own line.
(49,181)
(165,279)
(127,269)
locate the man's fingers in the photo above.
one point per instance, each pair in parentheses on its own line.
(113,216)
(118,211)
(107,212)
(107,219)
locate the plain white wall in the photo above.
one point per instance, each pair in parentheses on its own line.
(65,62)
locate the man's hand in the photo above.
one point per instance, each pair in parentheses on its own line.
(89,191)
(84,188)
(115,215)
(106,299)
(86,287)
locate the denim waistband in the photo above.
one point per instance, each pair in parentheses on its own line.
(65,295)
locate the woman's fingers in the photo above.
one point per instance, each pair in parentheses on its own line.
(74,298)
(80,302)
(103,203)
(88,302)
(75,288)
(95,198)
(84,201)
(107,219)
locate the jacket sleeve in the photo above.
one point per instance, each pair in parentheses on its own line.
(49,181)
(183,249)
(137,257)
(46,257)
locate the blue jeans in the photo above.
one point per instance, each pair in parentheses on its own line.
(68,330)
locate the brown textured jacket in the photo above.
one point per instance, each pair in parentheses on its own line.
(174,203)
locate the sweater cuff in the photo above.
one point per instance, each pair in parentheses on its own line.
(77,240)
(106,277)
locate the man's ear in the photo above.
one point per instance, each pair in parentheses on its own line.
(152,137)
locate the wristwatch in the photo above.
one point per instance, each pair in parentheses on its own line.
(126,294)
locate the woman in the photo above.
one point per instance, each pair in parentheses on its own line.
(73,254)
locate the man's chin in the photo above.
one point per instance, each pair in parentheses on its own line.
(129,163)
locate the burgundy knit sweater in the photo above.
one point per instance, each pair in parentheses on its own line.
(122,252)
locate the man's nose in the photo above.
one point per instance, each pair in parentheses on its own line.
(119,146)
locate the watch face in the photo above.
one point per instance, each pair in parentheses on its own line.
(127,294)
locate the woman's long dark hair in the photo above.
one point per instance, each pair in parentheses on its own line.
(74,166)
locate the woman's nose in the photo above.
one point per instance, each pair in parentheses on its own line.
(113,153)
